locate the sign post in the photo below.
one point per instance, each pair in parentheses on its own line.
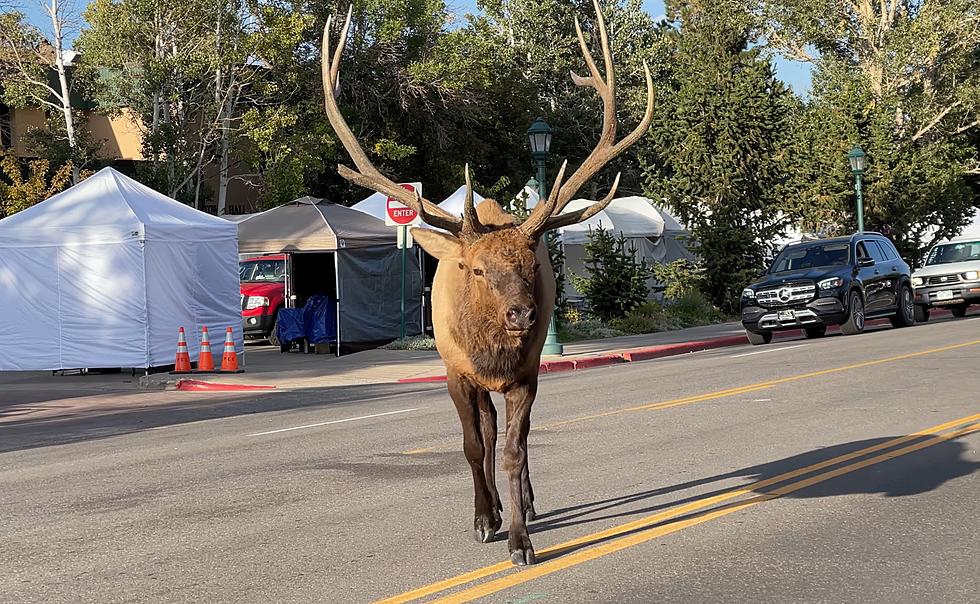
(401,217)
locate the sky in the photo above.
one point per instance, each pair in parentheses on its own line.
(793,73)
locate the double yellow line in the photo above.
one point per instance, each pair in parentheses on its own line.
(651,527)
(578,551)
(687,400)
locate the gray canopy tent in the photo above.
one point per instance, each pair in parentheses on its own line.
(346,255)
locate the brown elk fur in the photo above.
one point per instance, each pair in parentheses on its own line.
(469,334)
(494,290)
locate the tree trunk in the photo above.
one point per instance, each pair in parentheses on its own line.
(65,99)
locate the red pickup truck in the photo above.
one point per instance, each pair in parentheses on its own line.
(263,286)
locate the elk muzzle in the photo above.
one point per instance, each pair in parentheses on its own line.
(519,318)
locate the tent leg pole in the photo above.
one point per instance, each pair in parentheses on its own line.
(336,276)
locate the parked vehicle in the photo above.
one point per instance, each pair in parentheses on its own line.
(263,292)
(842,281)
(950,278)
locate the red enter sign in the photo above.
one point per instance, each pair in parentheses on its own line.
(398,212)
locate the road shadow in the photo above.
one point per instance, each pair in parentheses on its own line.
(911,474)
(122,413)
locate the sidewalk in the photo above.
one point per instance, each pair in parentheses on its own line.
(266,367)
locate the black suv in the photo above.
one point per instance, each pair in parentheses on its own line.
(841,281)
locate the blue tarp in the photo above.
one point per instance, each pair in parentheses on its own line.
(289,325)
(320,320)
(316,321)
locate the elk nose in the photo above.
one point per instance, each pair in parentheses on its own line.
(521,317)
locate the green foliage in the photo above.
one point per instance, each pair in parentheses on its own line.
(617,282)
(412,343)
(678,278)
(22,186)
(902,79)
(692,309)
(716,153)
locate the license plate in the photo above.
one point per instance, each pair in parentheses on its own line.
(787,315)
(944,295)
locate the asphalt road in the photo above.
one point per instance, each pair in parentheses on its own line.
(833,470)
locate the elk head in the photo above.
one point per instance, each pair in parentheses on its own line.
(499,256)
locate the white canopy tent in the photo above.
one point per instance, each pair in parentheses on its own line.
(103,274)
(636,218)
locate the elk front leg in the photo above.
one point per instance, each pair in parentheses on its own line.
(486,519)
(488,425)
(519,400)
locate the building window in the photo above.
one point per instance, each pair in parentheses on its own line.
(6,140)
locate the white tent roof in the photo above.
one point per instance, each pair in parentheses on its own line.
(454,203)
(671,223)
(108,207)
(103,274)
(630,216)
(373,205)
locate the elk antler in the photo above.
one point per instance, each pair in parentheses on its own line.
(367,175)
(547,215)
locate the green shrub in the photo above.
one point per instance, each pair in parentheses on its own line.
(412,343)
(693,308)
(678,277)
(591,329)
(616,283)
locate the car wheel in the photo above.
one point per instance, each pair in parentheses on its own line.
(758,338)
(274,334)
(905,313)
(959,311)
(855,320)
(818,331)
(921,313)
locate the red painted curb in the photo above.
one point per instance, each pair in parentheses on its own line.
(423,380)
(557,366)
(655,352)
(599,361)
(199,386)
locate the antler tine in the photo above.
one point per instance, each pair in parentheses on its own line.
(471,221)
(367,175)
(548,216)
(563,220)
(538,216)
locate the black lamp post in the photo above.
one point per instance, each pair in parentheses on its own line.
(539,136)
(856,157)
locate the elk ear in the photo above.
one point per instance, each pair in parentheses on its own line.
(442,246)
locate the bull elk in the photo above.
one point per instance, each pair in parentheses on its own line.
(494,291)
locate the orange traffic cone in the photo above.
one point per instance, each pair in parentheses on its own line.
(229,359)
(205,362)
(182,364)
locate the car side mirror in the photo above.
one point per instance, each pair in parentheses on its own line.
(866,262)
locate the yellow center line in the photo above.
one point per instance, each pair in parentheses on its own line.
(687,400)
(670,514)
(610,547)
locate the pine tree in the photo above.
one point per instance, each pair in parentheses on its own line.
(617,282)
(716,153)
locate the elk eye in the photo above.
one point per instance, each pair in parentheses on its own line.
(478,271)
(462,266)
(536,267)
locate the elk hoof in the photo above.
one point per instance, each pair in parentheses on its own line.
(484,529)
(530,514)
(521,550)
(522,557)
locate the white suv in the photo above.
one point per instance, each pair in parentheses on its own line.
(950,278)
